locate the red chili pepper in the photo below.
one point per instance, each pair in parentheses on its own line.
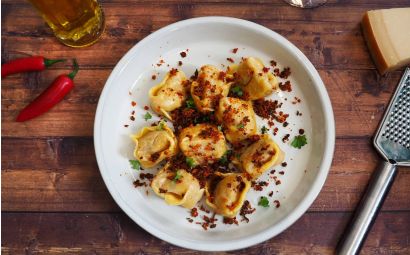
(35,63)
(50,97)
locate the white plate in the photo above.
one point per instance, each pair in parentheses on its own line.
(210,41)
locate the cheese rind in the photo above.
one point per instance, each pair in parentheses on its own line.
(388,37)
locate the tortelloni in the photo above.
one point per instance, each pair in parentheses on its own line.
(153,144)
(225,193)
(238,118)
(208,88)
(255,80)
(260,156)
(177,187)
(169,94)
(203,143)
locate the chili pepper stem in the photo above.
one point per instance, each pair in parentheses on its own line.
(50,62)
(75,71)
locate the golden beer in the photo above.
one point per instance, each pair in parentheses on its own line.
(76,23)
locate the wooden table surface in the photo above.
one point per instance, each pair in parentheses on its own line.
(53,198)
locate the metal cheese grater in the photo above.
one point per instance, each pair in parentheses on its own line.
(392,140)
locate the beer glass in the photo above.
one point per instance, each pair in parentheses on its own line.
(76,23)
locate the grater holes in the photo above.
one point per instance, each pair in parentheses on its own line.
(397,128)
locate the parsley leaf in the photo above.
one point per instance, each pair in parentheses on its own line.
(264,202)
(240,126)
(264,130)
(161,125)
(135,164)
(190,161)
(237,90)
(189,103)
(147,116)
(177,176)
(299,141)
(224,159)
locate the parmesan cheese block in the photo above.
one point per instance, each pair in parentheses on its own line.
(388,37)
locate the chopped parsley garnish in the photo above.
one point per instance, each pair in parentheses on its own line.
(237,91)
(224,159)
(190,103)
(299,141)
(264,130)
(190,161)
(220,127)
(240,126)
(161,125)
(177,176)
(135,164)
(147,116)
(264,202)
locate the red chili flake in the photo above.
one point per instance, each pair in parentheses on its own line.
(212,225)
(230,60)
(270,194)
(278,182)
(277,203)
(147,176)
(126,125)
(153,77)
(235,50)
(230,221)
(284,164)
(285,124)
(133,103)
(133,112)
(161,61)
(146,108)
(276,71)
(180,63)
(285,138)
(285,73)
(265,69)
(246,209)
(173,72)
(183,54)
(281,172)
(296,100)
(138,183)
(273,171)
(285,86)
(132,118)
(298,113)
(189,220)
(221,76)
(301,131)
(202,208)
(273,63)
(194,212)
(275,131)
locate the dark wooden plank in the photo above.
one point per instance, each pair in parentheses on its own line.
(61,174)
(62,233)
(358,98)
(327,36)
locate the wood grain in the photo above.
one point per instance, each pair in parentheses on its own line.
(61,174)
(358,97)
(73,233)
(327,36)
(54,200)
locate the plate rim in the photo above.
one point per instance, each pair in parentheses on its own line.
(312,192)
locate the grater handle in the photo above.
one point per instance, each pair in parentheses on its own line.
(368,208)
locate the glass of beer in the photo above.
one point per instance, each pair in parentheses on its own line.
(76,23)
